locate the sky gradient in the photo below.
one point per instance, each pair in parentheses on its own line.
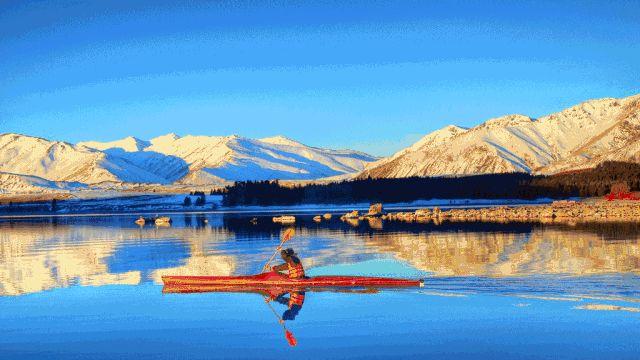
(372,76)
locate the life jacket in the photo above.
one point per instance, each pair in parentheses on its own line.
(296,298)
(296,271)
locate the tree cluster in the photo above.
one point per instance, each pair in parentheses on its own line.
(200,200)
(592,182)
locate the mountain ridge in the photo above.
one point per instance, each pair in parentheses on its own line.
(581,136)
(578,137)
(172,159)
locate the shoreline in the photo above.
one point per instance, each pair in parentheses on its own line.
(421,211)
(565,211)
(145,204)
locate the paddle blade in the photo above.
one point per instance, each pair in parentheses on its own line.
(292,341)
(288,234)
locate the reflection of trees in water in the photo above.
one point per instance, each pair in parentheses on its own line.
(240,223)
(264,227)
(609,230)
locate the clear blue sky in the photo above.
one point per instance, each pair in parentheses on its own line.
(368,75)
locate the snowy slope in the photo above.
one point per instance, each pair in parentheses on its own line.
(402,163)
(202,160)
(129,144)
(60,161)
(164,168)
(232,158)
(578,137)
(24,184)
(168,159)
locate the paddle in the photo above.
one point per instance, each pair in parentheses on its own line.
(286,236)
(287,334)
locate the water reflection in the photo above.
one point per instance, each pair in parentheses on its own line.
(42,254)
(540,251)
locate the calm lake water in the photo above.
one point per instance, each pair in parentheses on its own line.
(89,287)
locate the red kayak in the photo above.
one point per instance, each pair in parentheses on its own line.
(272,291)
(276,280)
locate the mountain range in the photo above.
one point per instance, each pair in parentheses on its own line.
(170,159)
(581,136)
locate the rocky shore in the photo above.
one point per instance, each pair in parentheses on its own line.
(558,211)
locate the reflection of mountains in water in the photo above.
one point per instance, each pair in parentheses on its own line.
(45,253)
(541,251)
(40,254)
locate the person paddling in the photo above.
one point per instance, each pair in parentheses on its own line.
(292,264)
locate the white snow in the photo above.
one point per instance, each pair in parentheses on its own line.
(24,184)
(130,144)
(231,158)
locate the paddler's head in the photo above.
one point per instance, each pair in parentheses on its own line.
(287,254)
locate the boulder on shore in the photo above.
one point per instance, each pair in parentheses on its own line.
(374,210)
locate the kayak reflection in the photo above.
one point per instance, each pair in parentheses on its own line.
(294,300)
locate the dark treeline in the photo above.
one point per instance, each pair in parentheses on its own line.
(592,182)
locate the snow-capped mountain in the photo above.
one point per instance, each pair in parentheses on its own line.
(403,161)
(61,161)
(581,136)
(130,144)
(219,159)
(168,159)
